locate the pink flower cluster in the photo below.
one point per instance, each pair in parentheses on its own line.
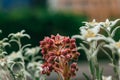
(58,52)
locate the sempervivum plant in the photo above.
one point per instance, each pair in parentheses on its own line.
(59,53)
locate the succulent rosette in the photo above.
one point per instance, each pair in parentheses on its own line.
(59,52)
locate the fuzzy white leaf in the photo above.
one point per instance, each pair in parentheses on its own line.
(114,31)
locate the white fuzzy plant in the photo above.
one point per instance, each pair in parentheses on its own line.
(93,40)
(23,64)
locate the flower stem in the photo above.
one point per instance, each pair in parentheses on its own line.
(119,69)
(115,68)
(66,78)
(11,73)
(20,49)
(92,69)
(59,76)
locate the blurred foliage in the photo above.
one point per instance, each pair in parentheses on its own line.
(39,23)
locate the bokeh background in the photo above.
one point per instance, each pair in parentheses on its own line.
(42,18)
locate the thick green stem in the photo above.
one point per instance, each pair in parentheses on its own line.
(115,69)
(97,72)
(92,69)
(114,62)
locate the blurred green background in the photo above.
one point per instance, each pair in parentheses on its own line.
(42,18)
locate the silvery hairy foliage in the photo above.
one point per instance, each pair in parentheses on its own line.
(114,46)
(23,64)
(4,70)
(97,36)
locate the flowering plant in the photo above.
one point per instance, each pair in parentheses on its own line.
(59,52)
(22,64)
(95,40)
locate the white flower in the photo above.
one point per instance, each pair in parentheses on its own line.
(18,35)
(13,56)
(109,24)
(117,46)
(4,43)
(113,45)
(89,33)
(91,24)
(32,51)
(106,78)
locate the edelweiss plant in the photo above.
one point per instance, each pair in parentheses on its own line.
(59,52)
(23,64)
(4,70)
(94,40)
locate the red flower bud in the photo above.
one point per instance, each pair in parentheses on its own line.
(51,53)
(51,59)
(64,52)
(43,72)
(42,43)
(43,51)
(72,40)
(57,36)
(50,41)
(66,40)
(52,36)
(46,57)
(46,39)
(74,65)
(68,56)
(73,45)
(72,70)
(78,54)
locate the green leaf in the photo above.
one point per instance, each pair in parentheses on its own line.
(86,77)
(92,69)
(77,36)
(114,31)
(101,73)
